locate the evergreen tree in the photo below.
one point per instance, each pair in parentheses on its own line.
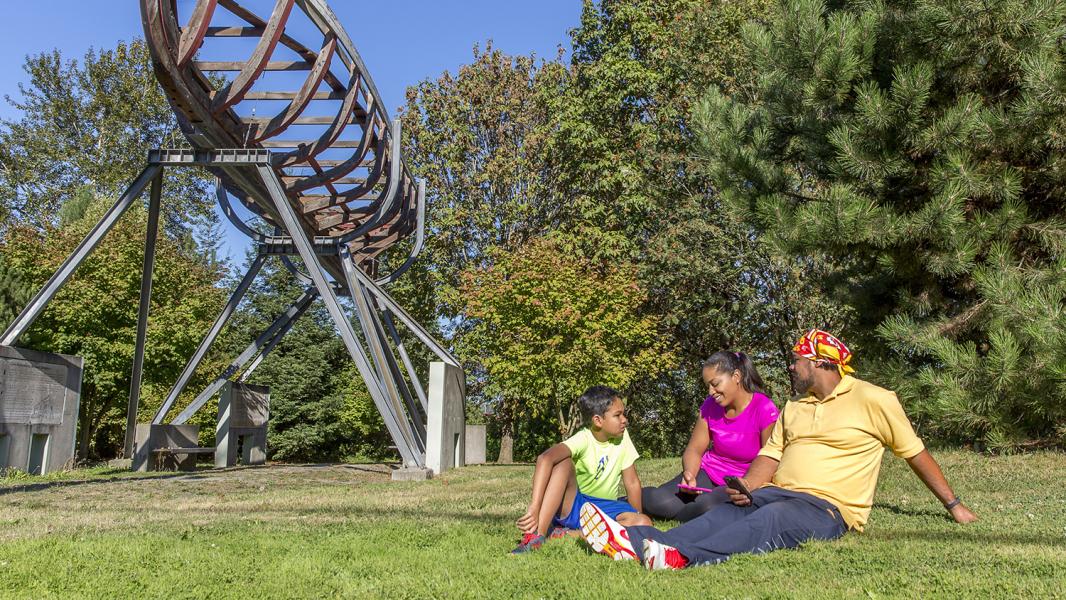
(919,145)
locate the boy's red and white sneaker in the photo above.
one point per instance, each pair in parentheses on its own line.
(529,543)
(604,534)
(660,556)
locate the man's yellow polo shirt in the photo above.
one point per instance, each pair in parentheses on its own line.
(832,448)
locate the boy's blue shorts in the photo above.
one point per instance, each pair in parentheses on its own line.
(612,508)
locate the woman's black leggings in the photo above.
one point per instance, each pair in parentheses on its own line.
(666,502)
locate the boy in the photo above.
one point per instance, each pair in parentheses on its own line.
(587,467)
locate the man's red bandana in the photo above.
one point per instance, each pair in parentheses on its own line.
(818,345)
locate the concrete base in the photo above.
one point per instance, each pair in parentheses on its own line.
(412,474)
(243,414)
(475,445)
(446,426)
(150,438)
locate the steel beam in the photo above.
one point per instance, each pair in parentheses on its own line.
(274,341)
(84,249)
(209,339)
(344,326)
(402,351)
(379,351)
(270,336)
(420,332)
(142,313)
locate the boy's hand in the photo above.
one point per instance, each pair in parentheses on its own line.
(528,522)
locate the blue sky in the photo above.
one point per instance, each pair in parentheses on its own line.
(402,42)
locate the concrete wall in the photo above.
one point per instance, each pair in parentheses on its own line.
(446,430)
(475,445)
(243,412)
(39,397)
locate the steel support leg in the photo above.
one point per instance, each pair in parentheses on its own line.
(377,352)
(420,332)
(386,379)
(307,253)
(272,333)
(387,363)
(209,339)
(43,297)
(142,313)
(402,350)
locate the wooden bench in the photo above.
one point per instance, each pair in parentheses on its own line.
(184,450)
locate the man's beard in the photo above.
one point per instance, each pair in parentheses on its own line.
(801,386)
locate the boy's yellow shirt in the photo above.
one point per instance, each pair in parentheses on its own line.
(832,448)
(598,465)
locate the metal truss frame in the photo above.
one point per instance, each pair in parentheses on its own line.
(371,337)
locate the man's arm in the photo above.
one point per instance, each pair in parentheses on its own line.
(631,481)
(760,473)
(545,463)
(926,468)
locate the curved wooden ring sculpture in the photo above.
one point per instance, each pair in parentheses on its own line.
(367,213)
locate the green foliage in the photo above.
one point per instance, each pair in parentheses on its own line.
(546,325)
(479,139)
(91,124)
(714,283)
(15,291)
(95,315)
(920,143)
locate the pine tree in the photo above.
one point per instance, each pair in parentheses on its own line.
(921,143)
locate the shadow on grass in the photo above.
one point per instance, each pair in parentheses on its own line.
(964,534)
(123,476)
(914,512)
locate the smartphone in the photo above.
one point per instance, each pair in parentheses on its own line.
(737,484)
(692,489)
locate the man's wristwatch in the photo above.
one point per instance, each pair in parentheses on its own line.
(950,505)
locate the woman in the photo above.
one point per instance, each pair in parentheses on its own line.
(735,421)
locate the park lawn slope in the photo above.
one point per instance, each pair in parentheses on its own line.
(346,530)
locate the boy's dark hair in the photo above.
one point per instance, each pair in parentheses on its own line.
(595,401)
(727,361)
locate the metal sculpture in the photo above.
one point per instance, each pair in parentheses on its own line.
(338,197)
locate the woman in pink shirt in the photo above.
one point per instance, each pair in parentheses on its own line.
(735,421)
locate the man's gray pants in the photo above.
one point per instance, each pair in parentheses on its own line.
(777,518)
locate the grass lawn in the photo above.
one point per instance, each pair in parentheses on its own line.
(346,530)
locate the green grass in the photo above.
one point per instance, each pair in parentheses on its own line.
(345,530)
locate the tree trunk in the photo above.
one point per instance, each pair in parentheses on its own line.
(85,431)
(506,456)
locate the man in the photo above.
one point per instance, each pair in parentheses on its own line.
(814,479)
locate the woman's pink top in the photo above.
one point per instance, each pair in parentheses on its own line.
(735,441)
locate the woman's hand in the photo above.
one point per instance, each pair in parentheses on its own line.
(688,479)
